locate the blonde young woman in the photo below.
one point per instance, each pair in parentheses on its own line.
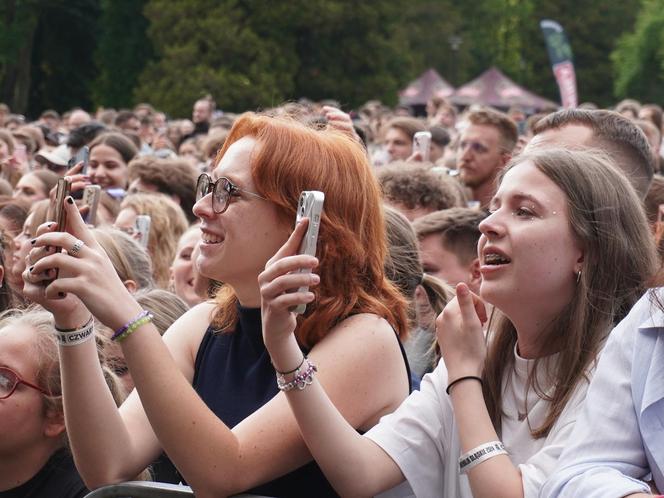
(564,254)
(34,459)
(168,223)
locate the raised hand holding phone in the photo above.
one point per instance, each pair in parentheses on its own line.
(422,144)
(91,196)
(310,207)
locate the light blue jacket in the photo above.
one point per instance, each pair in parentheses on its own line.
(618,440)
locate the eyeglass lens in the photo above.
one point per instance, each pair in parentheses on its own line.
(8,381)
(220,193)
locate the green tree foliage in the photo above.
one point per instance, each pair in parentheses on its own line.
(639,57)
(62,65)
(593,29)
(256,53)
(353,52)
(18,22)
(45,55)
(123,51)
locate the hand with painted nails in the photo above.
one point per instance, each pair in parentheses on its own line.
(460,335)
(279,287)
(67,309)
(78,180)
(80,272)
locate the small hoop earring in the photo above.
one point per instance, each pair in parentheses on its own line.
(578,276)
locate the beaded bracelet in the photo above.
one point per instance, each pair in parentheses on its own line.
(72,337)
(480,454)
(141,319)
(303,377)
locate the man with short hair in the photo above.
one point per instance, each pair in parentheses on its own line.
(605,130)
(448,245)
(78,117)
(127,121)
(485,147)
(399,137)
(201,116)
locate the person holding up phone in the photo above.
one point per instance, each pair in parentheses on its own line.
(564,254)
(110,154)
(208,394)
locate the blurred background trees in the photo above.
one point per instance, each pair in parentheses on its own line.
(256,53)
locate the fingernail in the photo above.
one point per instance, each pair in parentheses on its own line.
(50,225)
(30,269)
(315,278)
(62,294)
(70,200)
(33,241)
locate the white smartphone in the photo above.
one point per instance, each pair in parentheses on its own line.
(91,196)
(310,206)
(422,144)
(142,226)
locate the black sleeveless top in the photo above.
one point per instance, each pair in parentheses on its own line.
(58,478)
(234,377)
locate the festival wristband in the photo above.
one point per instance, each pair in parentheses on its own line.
(480,454)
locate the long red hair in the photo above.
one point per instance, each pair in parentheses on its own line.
(290,158)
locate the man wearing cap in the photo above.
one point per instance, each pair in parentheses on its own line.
(56,160)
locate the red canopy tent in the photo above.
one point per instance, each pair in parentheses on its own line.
(429,84)
(495,89)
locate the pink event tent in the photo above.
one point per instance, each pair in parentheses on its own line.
(495,89)
(429,84)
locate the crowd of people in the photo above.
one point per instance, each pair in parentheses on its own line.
(482,314)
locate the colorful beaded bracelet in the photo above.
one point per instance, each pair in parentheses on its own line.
(303,377)
(141,319)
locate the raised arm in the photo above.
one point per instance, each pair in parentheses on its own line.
(106,448)
(461,340)
(355,465)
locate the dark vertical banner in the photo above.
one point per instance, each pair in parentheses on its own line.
(560,54)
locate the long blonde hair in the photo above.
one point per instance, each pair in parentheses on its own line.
(168,224)
(607,218)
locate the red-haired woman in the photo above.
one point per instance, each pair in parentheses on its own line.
(208,395)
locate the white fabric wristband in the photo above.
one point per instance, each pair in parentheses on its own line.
(479,454)
(76,336)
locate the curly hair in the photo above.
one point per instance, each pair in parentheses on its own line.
(415,185)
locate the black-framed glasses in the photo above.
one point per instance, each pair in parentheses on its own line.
(10,380)
(222,191)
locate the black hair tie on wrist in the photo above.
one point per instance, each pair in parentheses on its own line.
(467,377)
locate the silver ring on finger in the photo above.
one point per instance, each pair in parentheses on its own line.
(76,248)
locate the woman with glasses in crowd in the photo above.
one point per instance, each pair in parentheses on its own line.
(208,394)
(34,460)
